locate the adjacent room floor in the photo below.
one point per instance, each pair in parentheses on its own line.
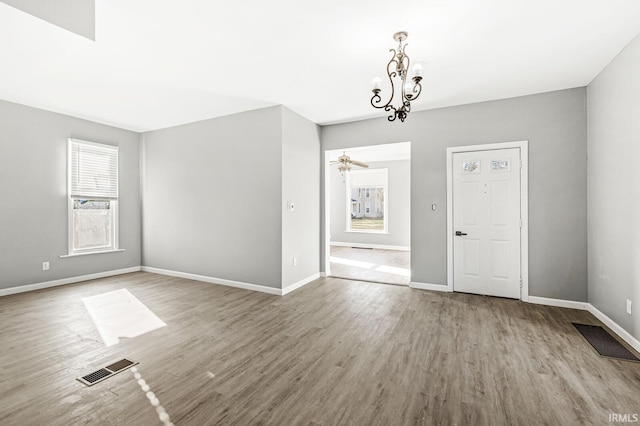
(385,266)
(333,352)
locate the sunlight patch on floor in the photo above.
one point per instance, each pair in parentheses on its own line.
(119,314)
(350,262)
(153,399)
(393,270)
(374,266)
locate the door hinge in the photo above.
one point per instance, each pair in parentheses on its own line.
(520,282)
(520,163)
(520,223)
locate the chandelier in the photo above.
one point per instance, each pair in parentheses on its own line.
(397,69)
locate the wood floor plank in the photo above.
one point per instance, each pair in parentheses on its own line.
(334,352)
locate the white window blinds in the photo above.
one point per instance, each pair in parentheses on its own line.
(93,170)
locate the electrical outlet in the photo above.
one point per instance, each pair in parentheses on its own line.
(629,306)
(295,261)
(45,266)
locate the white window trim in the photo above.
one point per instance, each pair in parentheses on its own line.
(115,246)
(386,203)
(91,252)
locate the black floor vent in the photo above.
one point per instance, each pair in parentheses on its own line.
(117,366)
(604,343)
(96,376)
(106,372)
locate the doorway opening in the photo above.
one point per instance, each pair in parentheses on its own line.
(368,213)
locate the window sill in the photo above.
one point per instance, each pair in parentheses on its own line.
(91,252)
(353,231)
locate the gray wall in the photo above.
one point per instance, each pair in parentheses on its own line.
(613,188)
(33,193)
(301,185)
(398,198)
(554,124)
(212,198)
(78,16)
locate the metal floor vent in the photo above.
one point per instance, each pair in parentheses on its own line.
(106,372)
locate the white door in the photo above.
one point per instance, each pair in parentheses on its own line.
(486,222)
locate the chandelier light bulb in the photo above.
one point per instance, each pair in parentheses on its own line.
(375,82)
(408,90)
(418,69)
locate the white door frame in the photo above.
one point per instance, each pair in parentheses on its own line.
(524,208)
(327,200)
(327,214)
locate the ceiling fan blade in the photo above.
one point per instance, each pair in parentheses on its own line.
(357,163)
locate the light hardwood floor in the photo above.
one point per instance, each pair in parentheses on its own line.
(376,265)
(334,352)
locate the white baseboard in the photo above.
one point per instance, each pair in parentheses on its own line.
(213,280)
(294,286)
(64,281)
(624,334)
(425,286)
(372,246)
(560,303)
(585,306)
(323,274)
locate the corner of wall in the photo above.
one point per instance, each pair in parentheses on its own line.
(143,164)
(613,105)
(300,181)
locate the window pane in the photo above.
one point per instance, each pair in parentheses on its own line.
(471,167)
(367,209)
(500,165)
(92,224)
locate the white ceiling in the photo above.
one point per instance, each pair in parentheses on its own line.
(159,63)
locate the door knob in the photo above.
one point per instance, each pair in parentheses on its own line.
(459,234)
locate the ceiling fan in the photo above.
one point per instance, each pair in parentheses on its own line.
(345,162)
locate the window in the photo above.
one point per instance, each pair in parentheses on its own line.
(366,193)
(93,197)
